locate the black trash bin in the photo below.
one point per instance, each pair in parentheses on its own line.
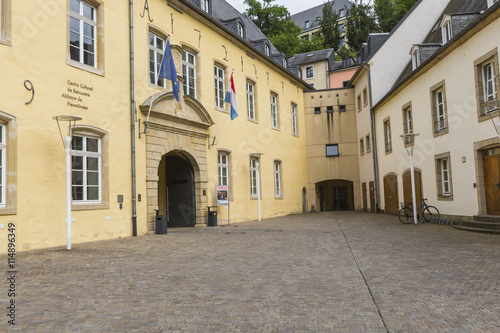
(212,216)
(161,222)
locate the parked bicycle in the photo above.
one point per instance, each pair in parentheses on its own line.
(424,212)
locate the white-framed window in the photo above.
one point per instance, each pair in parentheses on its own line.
(342,12)
(223,166)
(86,169)
(156,47)
(387,136)
(274,111)
(415,59)
(254,167)
(241,32)
(294,119)
(408,121)
(440,115)
(309,72)
(219,86)
(189,73)
(446,31)
(3,163)
(277,179)
(267,50)
(308,24)
(251,100)
(341,27)
(445,177)
(205,5)
(489,89)
(284,62)
(82,33)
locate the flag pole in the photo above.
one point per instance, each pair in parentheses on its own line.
(151,104)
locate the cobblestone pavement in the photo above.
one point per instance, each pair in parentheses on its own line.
(323,272)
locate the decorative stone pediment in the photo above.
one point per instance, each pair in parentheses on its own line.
(188,111)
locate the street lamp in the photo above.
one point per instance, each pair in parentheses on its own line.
(409,142)
(71,120)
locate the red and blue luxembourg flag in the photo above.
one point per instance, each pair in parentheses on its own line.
(231,98)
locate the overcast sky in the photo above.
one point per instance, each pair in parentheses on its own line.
(293,6)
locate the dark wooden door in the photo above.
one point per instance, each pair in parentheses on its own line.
(365,196)
(180,187)
(491,164)
(372,196)
(407,187)
(391,194)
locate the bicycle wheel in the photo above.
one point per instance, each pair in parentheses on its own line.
(406,215)
(430,212)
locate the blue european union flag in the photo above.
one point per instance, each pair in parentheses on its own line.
(167,70)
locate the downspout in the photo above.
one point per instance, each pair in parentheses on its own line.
(374,144)
(132,119)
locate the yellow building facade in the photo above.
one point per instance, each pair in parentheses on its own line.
(74,58)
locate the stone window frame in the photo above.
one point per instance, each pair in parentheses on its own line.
(438,160)
(157,33)
(6,22)
(98,67)
(275,113)
(96,132)
(229,156)
(255,118)
(253,175)
(218,66)
(278,179)
(434,91)
(9,123)
(365,96)
(294,119)
(411,128)
(362,146)
(310,67)
(387,135)
(490,57)
(185,49)
(358,99)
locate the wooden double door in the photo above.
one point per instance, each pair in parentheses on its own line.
(491,165)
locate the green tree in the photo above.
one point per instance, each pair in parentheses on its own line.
(330,26)
(289,42)
(360,22)
(385,11)
(390,12)
(271,19)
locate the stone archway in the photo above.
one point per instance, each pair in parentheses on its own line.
(176,129)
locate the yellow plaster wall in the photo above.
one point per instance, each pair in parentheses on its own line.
(241,137)
(38,53)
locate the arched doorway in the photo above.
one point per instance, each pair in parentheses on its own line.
(176,190)
(391,194)
(407,187)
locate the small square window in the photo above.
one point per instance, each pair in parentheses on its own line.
(332,150)
(329,109)
(317,110)
(342,108)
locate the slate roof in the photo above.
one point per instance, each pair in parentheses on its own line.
(313,13)
(455,7)
(310,57)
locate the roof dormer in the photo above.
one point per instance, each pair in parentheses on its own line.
(415,56)
(491,2)
(446,32)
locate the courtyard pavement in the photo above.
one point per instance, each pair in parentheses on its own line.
(322,272)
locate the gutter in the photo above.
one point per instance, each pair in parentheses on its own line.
(132,121)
